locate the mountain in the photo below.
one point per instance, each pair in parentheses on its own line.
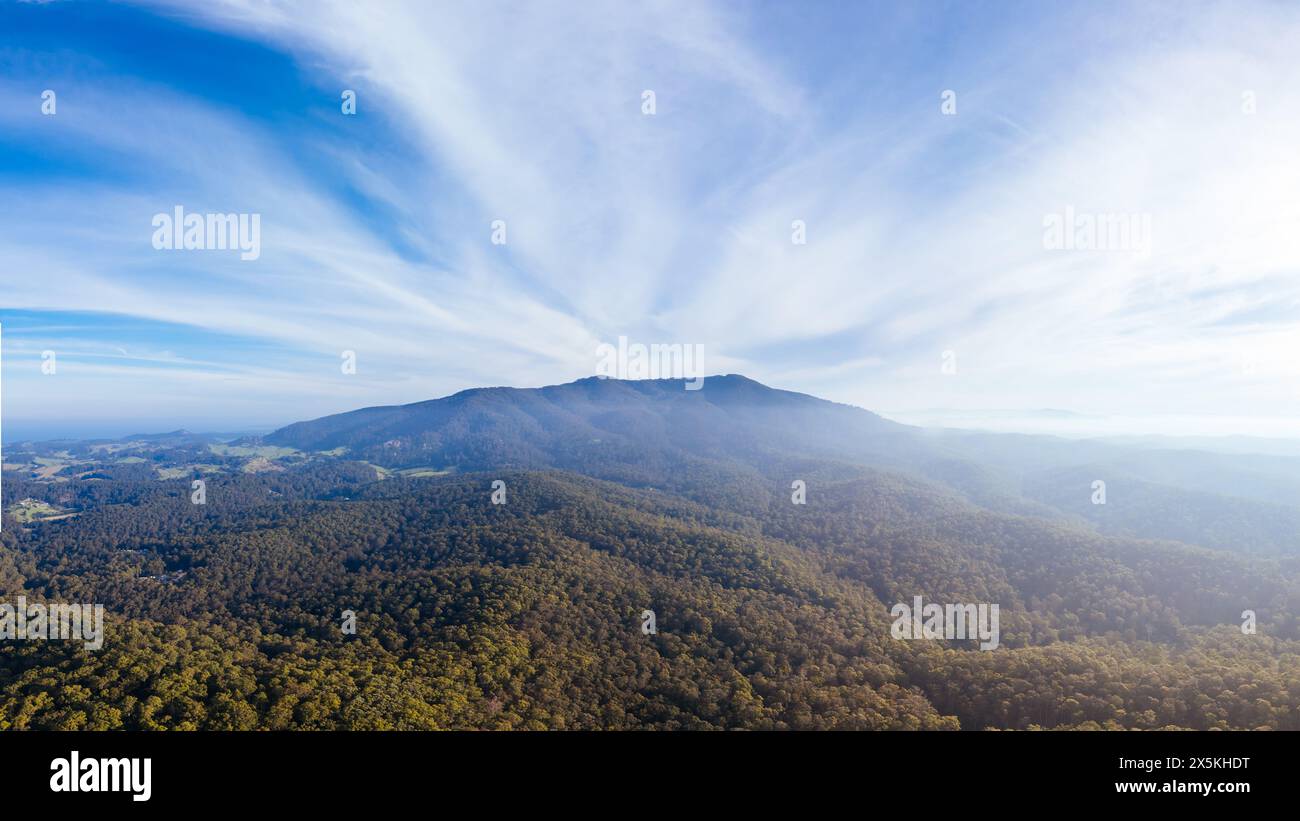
(591,419)
(773,607)
(656,433)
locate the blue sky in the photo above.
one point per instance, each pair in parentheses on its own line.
(925,231)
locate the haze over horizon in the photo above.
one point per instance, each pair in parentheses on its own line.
(1265,436)
(924,226)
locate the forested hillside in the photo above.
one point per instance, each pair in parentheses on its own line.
(526,614)
(526,611)
(654,432)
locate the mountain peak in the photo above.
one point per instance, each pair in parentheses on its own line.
(582,420)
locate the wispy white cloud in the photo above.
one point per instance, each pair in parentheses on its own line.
(924,231)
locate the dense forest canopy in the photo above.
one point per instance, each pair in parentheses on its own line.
(497,551)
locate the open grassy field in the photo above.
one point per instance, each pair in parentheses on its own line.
(30,510)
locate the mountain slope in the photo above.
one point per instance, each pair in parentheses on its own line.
(588,419)
(528,613)
(654,433)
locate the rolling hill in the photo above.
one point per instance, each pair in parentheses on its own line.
(525,610)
